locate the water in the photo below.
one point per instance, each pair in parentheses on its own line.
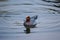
(13,13)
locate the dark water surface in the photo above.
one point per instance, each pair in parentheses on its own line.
(13,13)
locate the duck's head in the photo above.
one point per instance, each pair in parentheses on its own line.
(28,19)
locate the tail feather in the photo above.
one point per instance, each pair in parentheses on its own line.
(35,17)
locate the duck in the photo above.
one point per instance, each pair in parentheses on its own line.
(30,21)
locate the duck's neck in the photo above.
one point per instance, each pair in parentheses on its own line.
(27,20)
